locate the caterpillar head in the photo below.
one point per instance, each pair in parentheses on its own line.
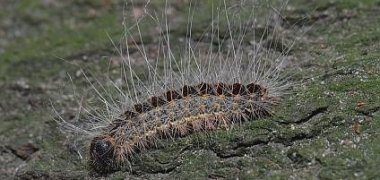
(102,153)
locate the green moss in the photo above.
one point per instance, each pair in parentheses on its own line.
(41,50)
(294,142)
(368,85)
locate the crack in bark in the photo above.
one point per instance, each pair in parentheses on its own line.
(240,147)
(369,112)
(310,115)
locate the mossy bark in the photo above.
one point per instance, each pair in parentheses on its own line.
(328,128)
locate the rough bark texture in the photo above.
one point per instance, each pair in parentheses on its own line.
(328,128)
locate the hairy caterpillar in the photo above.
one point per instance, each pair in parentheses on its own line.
(198,91)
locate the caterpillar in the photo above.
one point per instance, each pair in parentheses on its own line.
(195,93)
(177,113)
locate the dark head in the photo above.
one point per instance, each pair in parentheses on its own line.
(102,153)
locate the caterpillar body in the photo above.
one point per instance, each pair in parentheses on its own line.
(195,93)
(203,107)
